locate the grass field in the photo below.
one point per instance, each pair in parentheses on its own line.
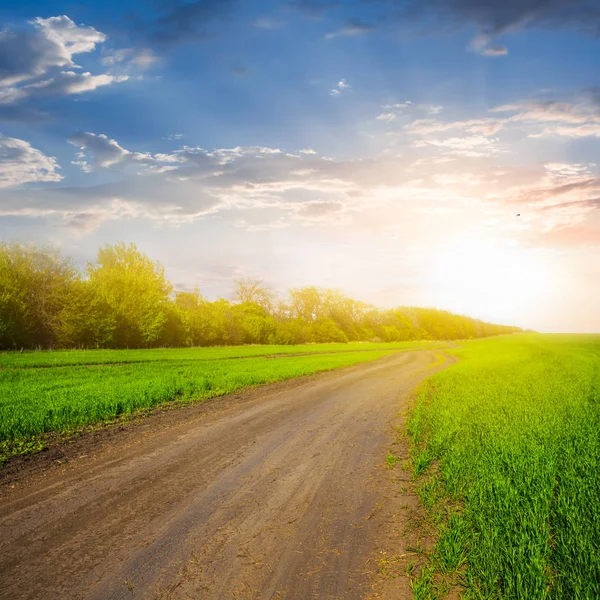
(63,358)
(44,392)
(506,455)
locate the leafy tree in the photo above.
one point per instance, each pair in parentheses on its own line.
(253,290)
(35,284)
(326,330)
(136,290)
(126,301)
(85,320)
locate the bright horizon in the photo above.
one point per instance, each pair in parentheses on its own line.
(437,154)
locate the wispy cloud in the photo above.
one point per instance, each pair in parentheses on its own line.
(407,109)
(491,19)
(495,51)
(470,146)
(341,86)
(21,163)
(352,28)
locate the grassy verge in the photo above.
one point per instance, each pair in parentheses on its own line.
(64,358)
(505,449)
(35,401)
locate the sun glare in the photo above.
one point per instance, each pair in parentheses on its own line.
(504,280)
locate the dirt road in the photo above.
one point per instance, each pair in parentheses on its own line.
(277,493)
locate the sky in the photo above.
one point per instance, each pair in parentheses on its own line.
(439,153)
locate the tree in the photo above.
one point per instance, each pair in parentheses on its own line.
(35,284)
(306,303)
(252,289)
(85,320)
(327,331)
(126,301)
(137,292)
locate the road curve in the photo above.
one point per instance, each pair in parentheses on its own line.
(274,497)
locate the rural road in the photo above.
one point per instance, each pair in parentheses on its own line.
(277,493)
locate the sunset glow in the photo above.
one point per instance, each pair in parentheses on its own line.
(343,145)
(503,278)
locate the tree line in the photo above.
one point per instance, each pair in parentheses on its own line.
(123,300)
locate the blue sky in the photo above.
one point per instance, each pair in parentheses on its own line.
(381,147)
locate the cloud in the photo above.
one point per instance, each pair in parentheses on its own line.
(341,86)
(21,163)
(131,58)
(322,212)
(51,44)
(73,39)
(550,110)
(579,118)
(192,183)
(38,62)
(261,188)
(66,83)
(352,28)
(83,223)
(473,126)
(491,18)
(471,146)
(104,152)
(557,196)
(407,109)
(386,116)
(560,184)
(495,51)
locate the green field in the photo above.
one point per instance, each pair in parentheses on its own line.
(63,358)
(43,392)
(506,455)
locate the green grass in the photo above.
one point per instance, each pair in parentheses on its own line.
(506,454)
(43,392)
(63,358)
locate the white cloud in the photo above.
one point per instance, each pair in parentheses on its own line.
(128,58)
(39,62)
(73,39)
(569,119)
(386,117)
(495,51)
(51,44)
(260,188)
(472,126)
(321,211)
(104,152)
(352,28)
(21,163)
(407,109)
(68,82)
(534,119)
(470,146)
(341,86)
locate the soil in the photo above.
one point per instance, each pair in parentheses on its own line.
(278,492)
